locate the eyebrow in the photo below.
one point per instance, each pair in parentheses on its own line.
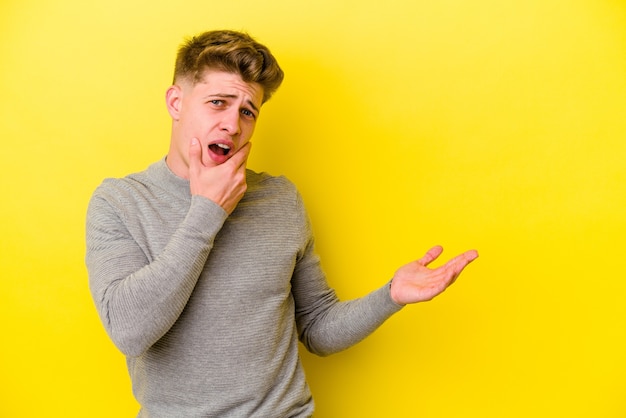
(233,96)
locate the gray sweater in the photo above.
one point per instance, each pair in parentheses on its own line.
(208,308)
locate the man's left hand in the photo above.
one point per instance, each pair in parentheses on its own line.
(415,282)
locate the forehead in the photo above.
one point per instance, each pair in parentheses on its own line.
(221,82)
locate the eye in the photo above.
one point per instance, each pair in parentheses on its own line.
(217,102)
(248,113)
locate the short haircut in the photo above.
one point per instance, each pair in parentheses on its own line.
(229,51)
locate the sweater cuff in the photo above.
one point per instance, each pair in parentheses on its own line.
(205,215)
(383,298)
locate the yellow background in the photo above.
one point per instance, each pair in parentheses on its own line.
(496,125)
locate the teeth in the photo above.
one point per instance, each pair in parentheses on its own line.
(223,146)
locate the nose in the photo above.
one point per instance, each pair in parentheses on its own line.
(230,122)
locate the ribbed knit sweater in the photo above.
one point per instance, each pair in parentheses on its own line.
(208,308)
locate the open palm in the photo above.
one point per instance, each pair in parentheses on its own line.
(415,282)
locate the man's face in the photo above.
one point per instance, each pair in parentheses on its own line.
(221,111)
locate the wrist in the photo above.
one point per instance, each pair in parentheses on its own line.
(392,296)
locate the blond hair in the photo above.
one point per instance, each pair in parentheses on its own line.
(230,51)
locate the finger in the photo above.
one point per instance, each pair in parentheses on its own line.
(241,156)
(458,263)
(469,256)
(431,255)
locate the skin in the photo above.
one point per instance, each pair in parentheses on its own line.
(224,109)
(415,282)
(221,109)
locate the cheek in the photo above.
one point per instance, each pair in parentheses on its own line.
(195,127)
(248,130)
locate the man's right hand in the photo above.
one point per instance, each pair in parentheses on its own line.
(224,184)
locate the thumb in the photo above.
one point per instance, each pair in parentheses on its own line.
(195,154)
(431,255)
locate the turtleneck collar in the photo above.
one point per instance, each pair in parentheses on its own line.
(166,179)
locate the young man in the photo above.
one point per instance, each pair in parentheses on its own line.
(204,273)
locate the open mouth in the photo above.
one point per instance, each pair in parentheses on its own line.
(219,149)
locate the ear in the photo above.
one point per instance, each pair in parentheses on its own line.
(173,101)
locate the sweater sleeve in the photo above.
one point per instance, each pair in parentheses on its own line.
(327,325)
(139,300)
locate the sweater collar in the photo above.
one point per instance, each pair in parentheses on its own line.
(166,179)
